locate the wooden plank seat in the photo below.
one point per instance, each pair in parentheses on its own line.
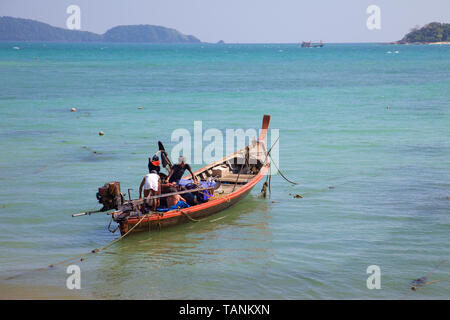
(231,178)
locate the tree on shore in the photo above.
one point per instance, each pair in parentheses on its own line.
(432,32)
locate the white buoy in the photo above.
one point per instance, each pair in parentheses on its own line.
(101,133)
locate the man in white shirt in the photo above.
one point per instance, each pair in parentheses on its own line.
(152,187)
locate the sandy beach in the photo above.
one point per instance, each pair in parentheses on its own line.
(13,291)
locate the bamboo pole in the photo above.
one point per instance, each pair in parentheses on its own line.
(140,201)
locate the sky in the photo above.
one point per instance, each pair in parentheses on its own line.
(244,21)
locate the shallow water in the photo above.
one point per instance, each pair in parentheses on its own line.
(375,181)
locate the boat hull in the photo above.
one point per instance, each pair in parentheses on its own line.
(156,223)
(176,217)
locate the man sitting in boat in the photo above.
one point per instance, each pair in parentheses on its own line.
(152,187)
(172,202)
(176,201)
(178,170)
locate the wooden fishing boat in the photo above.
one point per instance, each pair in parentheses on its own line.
(234,177)
(311,44)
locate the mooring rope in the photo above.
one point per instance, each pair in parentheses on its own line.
(267,183)
(123,236)
(415,288)
(281,173)
(189,217)
(424,278)
(81,256)
(273,161)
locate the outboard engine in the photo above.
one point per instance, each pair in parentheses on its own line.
(109,196)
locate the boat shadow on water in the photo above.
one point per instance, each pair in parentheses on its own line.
(249,214)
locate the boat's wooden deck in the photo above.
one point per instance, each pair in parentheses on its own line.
(227,188)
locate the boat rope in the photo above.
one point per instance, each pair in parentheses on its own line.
(270,149)
(188,216)
(121,237)
(420,283)
(268,155)
(267,183)
(81,256)
(415,288)
(263,192)
(281,173)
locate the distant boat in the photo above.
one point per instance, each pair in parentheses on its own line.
(312,44)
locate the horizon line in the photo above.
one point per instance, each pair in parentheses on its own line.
(201,42)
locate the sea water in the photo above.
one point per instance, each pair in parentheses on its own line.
(363,130)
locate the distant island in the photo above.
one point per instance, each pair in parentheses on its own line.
(432,33)
(18,29)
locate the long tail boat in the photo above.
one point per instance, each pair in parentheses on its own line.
(234,177)
(312,44)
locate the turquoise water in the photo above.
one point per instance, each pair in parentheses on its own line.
(375,181)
